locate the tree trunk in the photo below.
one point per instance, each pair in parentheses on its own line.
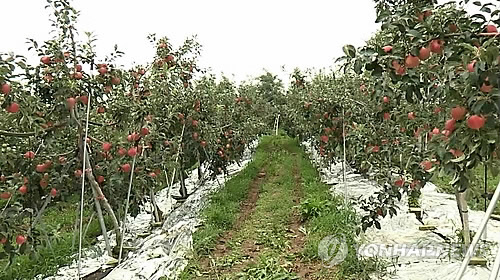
(98,193)
(464,216)
(182,189)
(156,211)
(100,218)
(200,172)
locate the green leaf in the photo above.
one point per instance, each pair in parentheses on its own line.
(485,9)
(459,159)
(357,66)
(480,16)
(414,33)
(494,170)
(349,50)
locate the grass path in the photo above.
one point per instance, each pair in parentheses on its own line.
(266,222)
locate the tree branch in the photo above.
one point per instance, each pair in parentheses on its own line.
(32,133)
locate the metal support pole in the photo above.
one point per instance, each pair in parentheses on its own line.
(482,226)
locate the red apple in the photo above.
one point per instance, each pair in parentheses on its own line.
(20,239)
(486,88)
(450,125)
(387,49)
(375,149)
(491,29)
(84,99)
(458,113)
(115,80)
(40,168)
(5,195)
(133,137)
(23,189)
(470,66)
(78,75)
(100,179)
(435,131)
(106,146)
(385,99)
(400,71)
(453,27)
(13,108)
(132,152)
(412,61)
(29,155)
(48,78)
(62,160)
(126,168)
(45,60)
(203,143)
(71,102)
(436,46)
(78,173)
(5,88)
(426,165)
(324,139)
(456,153)
(102,70)
(411,116)
(420,17)
(100,110)
(399,183)
(475,122)
(53,192)
(387,116)
(44,183)
(144,131)
(424,53)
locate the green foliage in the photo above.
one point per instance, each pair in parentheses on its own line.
(311,208)
(268,268)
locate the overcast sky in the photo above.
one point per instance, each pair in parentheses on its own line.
(239,38)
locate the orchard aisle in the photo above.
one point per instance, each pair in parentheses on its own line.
(439,209)
(268,221)
(158,252)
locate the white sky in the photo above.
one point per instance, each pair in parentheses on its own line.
(238,37)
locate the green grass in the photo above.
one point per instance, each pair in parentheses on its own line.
(334,218)
(476,190)
(57,221)
(225,206)
(268,226)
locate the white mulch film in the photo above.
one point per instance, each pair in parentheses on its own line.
(165,251)
(440,209)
